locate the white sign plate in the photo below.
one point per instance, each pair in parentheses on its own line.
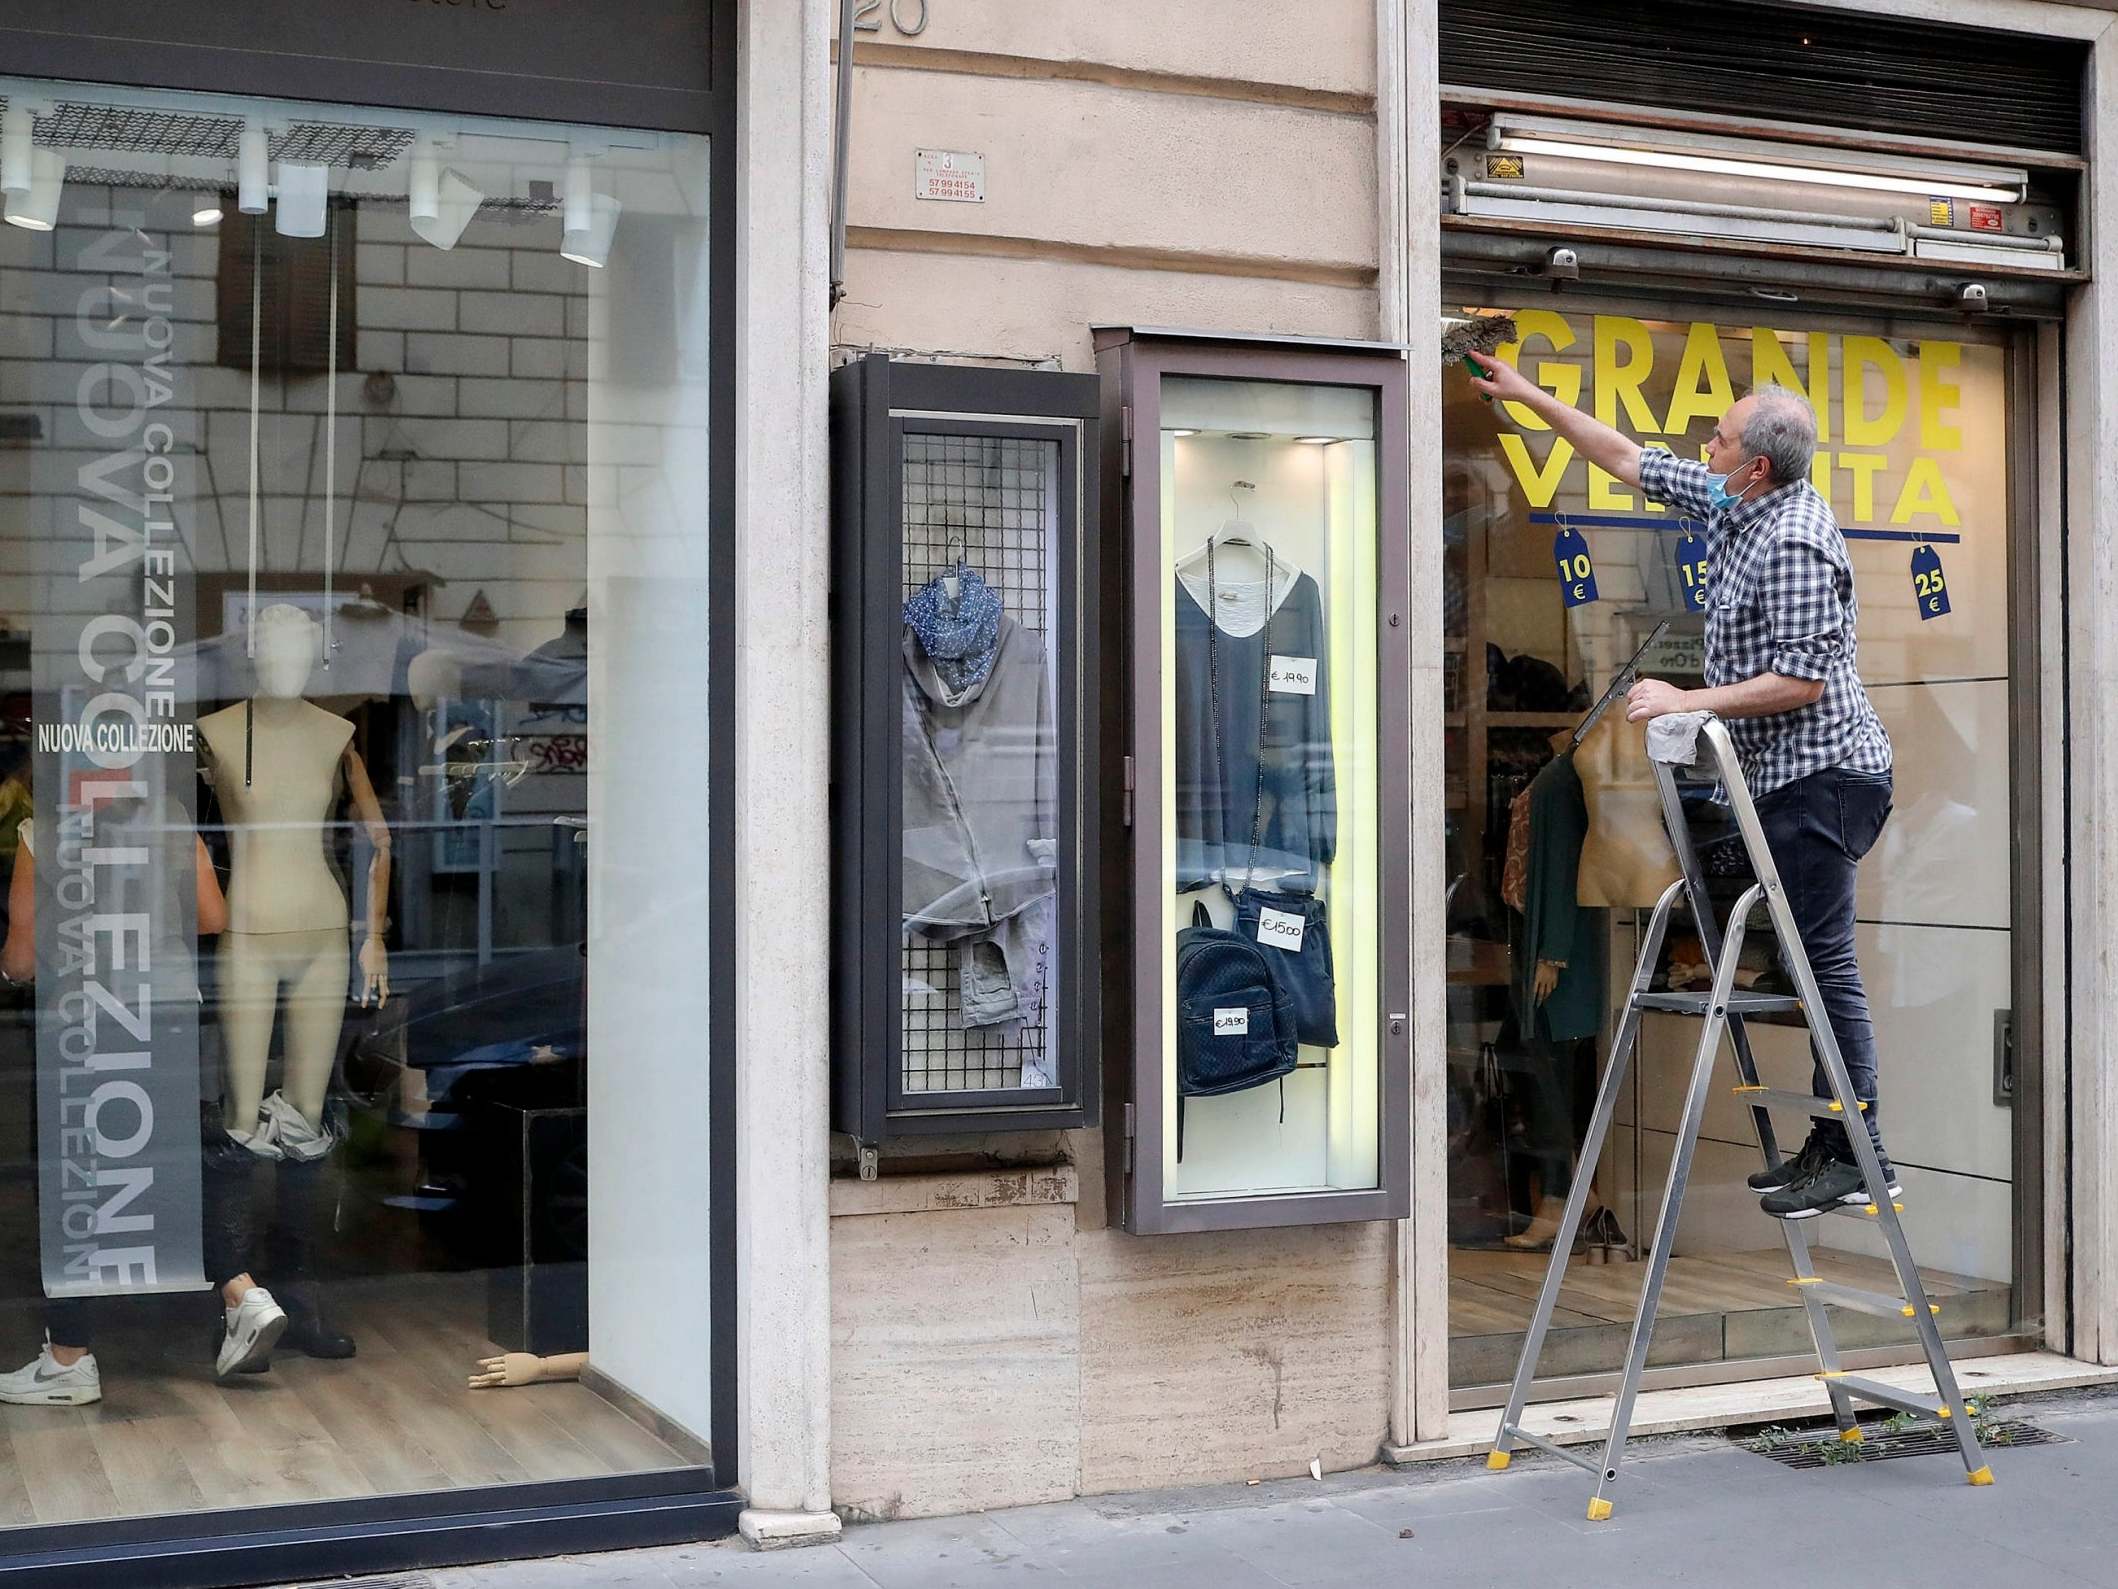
(953,176)
(1231,1022)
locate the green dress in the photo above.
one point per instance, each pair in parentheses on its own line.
(1553,924)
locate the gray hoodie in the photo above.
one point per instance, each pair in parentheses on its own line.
(979,832)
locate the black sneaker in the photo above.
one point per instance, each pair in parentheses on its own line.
(1788,1171)
(1834,1182)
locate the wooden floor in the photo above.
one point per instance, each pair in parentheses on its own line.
(168,1437)
(1714,1307)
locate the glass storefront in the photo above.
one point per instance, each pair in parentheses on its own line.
(1914,455)
(353,617)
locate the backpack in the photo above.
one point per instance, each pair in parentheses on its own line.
(1235,1028)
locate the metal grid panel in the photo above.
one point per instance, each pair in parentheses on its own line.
(989,500)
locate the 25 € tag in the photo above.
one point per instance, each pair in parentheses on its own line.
(1280,928)
(1577,573)
(1929,588)
(1691,568)
(1232,1022)
(1293,675)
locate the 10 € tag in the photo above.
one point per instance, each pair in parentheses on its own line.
(1691,567)
(1929,588)
(1280,928)
(1577,573)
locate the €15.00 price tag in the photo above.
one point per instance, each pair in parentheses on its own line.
(1691,569)
(1280,928)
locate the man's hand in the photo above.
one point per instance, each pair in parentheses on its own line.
(1652,698)
(1503,381)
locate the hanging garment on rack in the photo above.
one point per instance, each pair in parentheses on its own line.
(959,635)
(979,829)
(1296,938)
(1555,926)
(1000,970)
(1265,768)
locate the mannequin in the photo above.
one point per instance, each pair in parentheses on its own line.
(1626,860)
(526,1368)
(276,762)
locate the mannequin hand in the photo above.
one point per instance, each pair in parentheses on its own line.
(525,1368)
(1654,698)
(374,972)
(1546,980)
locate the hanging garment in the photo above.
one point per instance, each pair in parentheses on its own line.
(961,634)
(1515,870)
(1256,797)
(1303,971)
(1555,926)
(1000,969)
(979,833)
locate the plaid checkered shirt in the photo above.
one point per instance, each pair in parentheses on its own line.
(1779,599)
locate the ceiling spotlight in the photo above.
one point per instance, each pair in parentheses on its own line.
(580,195)
(206,210)
(1181,431)
(17,130)
(442,202)
(304,195)
(590,245)
(253,168)
(1317,441)
(37,209)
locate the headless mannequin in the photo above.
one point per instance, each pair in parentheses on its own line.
(286,914)
(1626,860)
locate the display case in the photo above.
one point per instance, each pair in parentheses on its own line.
(1261,1046)
(964,907)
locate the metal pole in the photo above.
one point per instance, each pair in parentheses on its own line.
(839,130)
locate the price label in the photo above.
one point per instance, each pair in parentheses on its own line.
(1929,588)
(1231,1023)
(1691,570)
(1293,675)
(1577,573)
(1282,929)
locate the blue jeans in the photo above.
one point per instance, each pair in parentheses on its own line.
(1818,828)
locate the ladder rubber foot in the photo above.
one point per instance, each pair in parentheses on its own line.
(1599,1509)
(1982,1476)
(1852,1436)
(1496,1460)
(1941,1412)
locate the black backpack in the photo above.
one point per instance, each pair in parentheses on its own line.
(1235,1028)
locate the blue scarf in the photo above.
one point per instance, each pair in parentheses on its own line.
(958,637)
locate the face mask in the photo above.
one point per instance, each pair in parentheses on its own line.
(1724,499)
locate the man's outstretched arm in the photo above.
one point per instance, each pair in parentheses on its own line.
(1611,451)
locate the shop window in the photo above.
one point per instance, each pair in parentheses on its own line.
(965,820)
(405,955)
(1267,1014)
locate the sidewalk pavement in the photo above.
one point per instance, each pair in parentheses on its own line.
(1691,1510)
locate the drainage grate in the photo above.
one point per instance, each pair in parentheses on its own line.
(1880,1444)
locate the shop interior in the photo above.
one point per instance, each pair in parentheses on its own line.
(1556,850)
(435,398)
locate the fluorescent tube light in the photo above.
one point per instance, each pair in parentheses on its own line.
(1720,165)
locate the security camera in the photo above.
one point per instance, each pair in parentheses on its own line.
(1972,297)
(1563,263)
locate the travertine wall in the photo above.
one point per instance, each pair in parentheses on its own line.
(994,1341)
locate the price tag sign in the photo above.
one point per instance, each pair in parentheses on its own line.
(1577,574)
(1929,588)
(1292,675)
(1282,929)
(1232,1023)
(1691,570)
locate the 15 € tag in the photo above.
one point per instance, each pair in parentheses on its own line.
(1280,928)
(1929,588)
(1691,568)
(1577,574)
(1231,1022)
(1293,675)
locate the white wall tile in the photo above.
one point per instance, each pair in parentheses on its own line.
(440,354)
(513,313)
(408,309)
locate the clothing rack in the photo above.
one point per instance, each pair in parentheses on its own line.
(989,501)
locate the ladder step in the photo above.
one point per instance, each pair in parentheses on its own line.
(1779,1098)
(1585,1463)
(1887,1395)
(1879,1303)
(1700,1003)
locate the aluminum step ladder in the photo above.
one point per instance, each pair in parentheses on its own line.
(1724,1008)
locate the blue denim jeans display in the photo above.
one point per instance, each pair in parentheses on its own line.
(1818,828)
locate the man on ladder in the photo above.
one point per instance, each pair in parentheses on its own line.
(1781,670)
(1784,710)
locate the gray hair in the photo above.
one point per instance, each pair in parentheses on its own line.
(1782,431)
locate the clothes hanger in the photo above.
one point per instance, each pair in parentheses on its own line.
(1236,530)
